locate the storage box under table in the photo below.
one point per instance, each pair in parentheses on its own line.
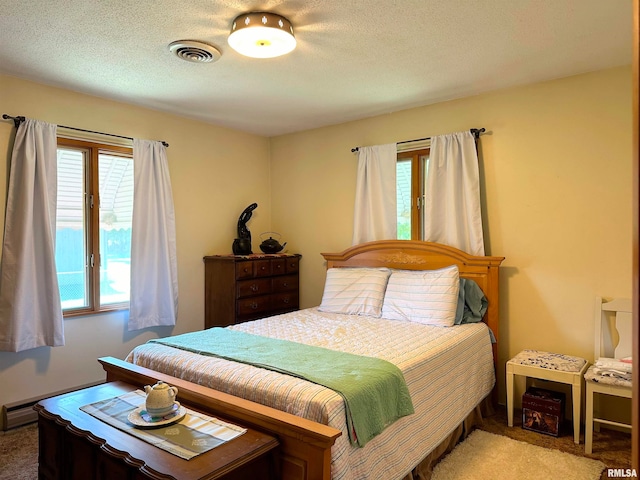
(543,411)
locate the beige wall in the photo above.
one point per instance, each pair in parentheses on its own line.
(556,169)
(215,173)
(556,183)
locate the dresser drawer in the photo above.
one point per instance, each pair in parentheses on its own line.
(254,306)
(262,268)
(244,269)
(255,286)
(284,302)
(278,266)
(285,283)
(293,264)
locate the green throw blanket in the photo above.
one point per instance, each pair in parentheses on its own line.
(374,390)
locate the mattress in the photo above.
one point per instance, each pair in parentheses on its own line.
(448,372)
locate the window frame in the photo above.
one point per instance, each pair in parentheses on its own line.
(91,179)
(418,177)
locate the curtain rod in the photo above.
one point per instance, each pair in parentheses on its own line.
(475,131)
(18,120)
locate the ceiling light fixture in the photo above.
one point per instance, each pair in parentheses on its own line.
(262,35)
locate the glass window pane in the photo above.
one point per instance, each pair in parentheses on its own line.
(71,248)
(116,210)
(403,192)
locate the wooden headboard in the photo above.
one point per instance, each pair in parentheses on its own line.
(416,255)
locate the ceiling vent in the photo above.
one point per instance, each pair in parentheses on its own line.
(196,52)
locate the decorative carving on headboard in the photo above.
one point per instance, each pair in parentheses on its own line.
(401,258)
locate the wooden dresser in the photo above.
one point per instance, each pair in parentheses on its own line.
(238,288)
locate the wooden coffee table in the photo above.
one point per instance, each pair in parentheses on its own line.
(76,445)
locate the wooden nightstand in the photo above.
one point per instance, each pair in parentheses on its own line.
(239,288)
(76,445)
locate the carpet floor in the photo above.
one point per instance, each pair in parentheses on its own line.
(19,453)
(19,447)
(611,447)
(487,455)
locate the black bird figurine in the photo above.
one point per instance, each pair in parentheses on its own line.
(242,244)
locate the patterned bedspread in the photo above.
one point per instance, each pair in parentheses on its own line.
(448,372)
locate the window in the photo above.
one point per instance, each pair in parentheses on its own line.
(93,226)
(411,172)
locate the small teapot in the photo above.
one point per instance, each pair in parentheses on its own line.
(160,399)
(271,245)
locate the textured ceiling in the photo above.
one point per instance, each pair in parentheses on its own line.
(355,58)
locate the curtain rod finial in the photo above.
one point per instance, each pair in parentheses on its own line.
(477,131)
(16,120)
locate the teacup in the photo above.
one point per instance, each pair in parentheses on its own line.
(162,412)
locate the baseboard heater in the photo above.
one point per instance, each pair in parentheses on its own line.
(21,412)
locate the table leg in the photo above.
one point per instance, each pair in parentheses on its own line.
(509,396)
(576,397)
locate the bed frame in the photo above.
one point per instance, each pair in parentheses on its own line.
(305,446)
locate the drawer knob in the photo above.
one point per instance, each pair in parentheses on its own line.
(285,300)
(285,284)
(254,288)
(254,306)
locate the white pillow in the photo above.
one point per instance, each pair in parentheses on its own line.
(355,291)
(423,296)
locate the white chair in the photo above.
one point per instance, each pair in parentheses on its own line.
(613,339)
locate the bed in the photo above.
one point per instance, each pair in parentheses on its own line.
(448,371)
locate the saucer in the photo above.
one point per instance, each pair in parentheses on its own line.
(141,418)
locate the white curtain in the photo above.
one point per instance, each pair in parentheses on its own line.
(375,216)
(154,271)
(30,309)
(452,202)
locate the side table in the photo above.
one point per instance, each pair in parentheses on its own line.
(75,445)
(549,366)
